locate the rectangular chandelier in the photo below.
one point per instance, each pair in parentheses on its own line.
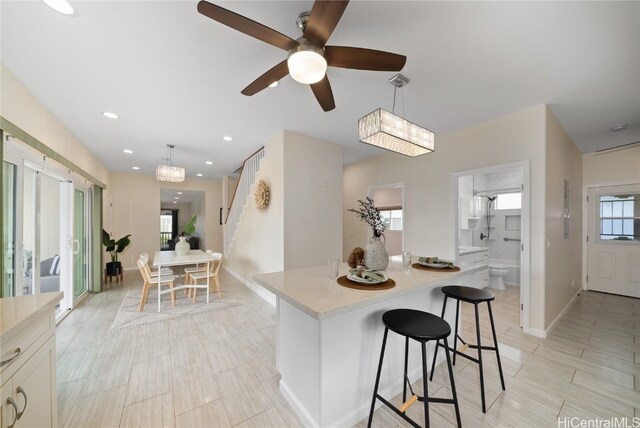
(170,173)
(384,129)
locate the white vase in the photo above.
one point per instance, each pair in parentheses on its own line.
(182,246)
(375,255)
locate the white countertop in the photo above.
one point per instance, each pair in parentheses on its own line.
(14,311)
(312,291)
(470,250)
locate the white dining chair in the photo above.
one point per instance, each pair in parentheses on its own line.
(154,273)
(197,268)
(214,274)
(148,282)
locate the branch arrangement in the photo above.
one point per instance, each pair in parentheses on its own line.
(370,215)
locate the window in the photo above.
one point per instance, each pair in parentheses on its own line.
(509,201)
(619,217)
(392,218)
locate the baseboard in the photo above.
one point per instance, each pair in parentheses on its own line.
(268,296)
(562,313)
(297,407)
(356,415)
(542,334)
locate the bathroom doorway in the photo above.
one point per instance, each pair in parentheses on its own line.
(491,231)
(389,199)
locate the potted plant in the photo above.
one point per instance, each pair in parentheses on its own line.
(190,227)
(375,255)
(114,248)
(183,246)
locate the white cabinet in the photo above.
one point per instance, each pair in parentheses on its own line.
(479,279)
(28,373)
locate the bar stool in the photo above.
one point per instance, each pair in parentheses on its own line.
(475,296)
(421,327)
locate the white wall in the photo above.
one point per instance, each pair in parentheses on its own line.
(563,265)
(387,197)
(136,210)
(19,106)
(258,245)
(313,201)
(427,211)
(616,167)
(303,224)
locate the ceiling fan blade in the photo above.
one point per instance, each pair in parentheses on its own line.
(323,19)
(324,94)
(246,25)
(363,59)
(273,75)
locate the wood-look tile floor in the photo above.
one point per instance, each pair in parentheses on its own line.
(218,369)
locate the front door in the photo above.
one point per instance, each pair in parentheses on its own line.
(613,247)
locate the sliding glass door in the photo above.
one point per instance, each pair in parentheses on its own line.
(9,171)
(80,242)
(46,228)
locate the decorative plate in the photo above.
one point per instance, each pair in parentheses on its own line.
(360,280)
(434,265)
(262,196)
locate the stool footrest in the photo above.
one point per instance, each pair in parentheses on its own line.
(397,411)
(468,357)
(487,348)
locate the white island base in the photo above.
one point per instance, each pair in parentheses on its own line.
(329,338)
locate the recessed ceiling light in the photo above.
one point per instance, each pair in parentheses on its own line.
(135,167)
(619,127)
(199,175)
(177,197)
(127,151)
(274,84)
(110,115)
(61,6)
(179,193)
(209,163)
(174,202)
(227,138)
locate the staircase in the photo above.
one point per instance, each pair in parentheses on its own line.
(244,189)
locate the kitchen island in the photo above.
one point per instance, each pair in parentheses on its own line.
(328,338)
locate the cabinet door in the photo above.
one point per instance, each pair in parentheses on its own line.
(7,412)
(37,381)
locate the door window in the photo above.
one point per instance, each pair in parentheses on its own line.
(619,217)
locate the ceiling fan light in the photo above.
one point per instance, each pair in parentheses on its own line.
(307,64)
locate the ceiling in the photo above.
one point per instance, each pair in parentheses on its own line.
(175,76)
(168,196)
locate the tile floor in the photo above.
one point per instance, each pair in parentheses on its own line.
(217,369)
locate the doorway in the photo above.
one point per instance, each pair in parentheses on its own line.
(178,207)
(613,239)
(491,212)
(389,200)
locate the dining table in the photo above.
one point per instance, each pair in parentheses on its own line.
(170,258)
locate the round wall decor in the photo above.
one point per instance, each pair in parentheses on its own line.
(262,196)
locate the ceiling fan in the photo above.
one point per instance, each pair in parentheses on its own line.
(308,55)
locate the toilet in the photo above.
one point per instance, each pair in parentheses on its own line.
(497,273)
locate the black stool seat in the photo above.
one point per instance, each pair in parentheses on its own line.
(468,294)
(417,325)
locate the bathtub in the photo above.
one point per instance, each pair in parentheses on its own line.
(513,277)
